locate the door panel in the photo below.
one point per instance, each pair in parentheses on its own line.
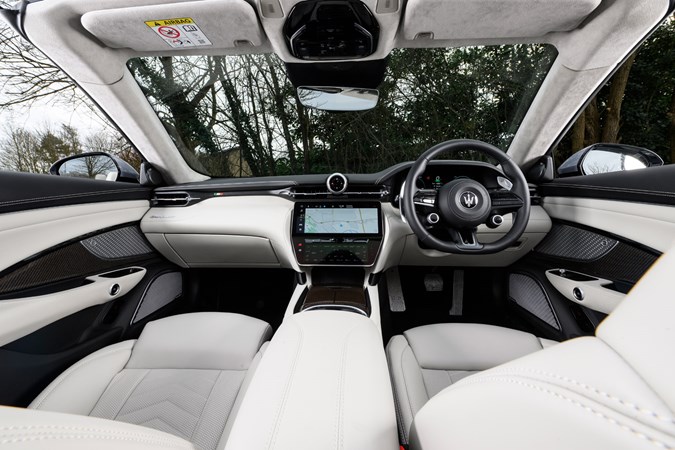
(22,316)
(653,185)
(608,229)
(647,224)
(583,250)
(26,191)
(25,234)
(74,260)
(66,242)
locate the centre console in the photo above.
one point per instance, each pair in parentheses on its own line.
(322,383)
(337,233)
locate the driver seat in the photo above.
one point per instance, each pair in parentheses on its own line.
(425,360)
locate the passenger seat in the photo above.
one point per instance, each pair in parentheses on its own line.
(185,375)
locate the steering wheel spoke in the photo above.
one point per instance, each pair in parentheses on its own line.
(426,198)
(465,239)
(504,202)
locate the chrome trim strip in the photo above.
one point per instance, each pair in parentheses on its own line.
(337,307)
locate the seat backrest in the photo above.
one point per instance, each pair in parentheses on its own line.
(615,390)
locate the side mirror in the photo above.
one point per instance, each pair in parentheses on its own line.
(95,166)
(604,158)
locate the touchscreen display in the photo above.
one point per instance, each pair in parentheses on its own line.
(341,221)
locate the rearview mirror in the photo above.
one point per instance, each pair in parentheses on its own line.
(95,166)
(333,98)
(604,158)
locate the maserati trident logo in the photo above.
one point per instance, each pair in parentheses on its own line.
(468,199)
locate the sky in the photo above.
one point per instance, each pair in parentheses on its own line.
(42,115)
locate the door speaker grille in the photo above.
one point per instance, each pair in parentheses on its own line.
(527,293)
(565,241)
(162,290)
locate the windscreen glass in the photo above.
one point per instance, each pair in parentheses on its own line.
(239,116)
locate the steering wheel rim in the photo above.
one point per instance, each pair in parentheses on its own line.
(509,168)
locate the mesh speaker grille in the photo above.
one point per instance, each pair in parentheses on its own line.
(116,244)
(163,290)
(527,293)
(565,241)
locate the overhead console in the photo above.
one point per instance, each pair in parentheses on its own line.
(337,232)
(328,30)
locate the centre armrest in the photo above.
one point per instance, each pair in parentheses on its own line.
(322,383)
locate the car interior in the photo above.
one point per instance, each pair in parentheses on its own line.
(469,298)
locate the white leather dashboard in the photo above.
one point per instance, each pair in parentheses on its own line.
(255,231)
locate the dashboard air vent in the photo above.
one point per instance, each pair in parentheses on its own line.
(353,191)
(180,198)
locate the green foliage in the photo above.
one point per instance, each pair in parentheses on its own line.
(428,96)
(648,101)
(24,150)
(650,93)
(35,151)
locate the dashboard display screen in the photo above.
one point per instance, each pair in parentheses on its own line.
(341,221)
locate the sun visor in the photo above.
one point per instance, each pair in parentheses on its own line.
(492,19)
(189,25)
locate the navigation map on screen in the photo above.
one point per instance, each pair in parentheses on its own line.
(341,221)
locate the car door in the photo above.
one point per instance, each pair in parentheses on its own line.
(76,274)
(608,229)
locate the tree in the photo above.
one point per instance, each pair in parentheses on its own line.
(636,106)
(24,150)
(239,115)
(27,75)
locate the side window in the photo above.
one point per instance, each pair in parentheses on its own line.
(44,116)
(630,123)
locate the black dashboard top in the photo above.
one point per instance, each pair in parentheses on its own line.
(385,182)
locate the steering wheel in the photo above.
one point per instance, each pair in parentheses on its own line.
(463,204)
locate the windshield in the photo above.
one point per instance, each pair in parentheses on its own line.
(239,116)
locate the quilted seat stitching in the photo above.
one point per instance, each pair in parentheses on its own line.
(74,368)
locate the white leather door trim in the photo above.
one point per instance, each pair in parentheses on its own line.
(20,317)
(25,233)
(594,294)
(650,225)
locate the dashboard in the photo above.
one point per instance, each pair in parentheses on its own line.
(304,221)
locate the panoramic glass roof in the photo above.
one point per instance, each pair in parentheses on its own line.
(238,116)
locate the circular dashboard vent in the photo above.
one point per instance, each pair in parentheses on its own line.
(336,183)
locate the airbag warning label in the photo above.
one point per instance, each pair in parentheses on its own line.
(179,33)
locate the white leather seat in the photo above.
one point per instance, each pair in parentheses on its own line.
(185,375)
(26,429)
(425,360)
(613,391)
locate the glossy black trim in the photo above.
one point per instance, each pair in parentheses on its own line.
(651,185)
(25,191)
(15,17)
